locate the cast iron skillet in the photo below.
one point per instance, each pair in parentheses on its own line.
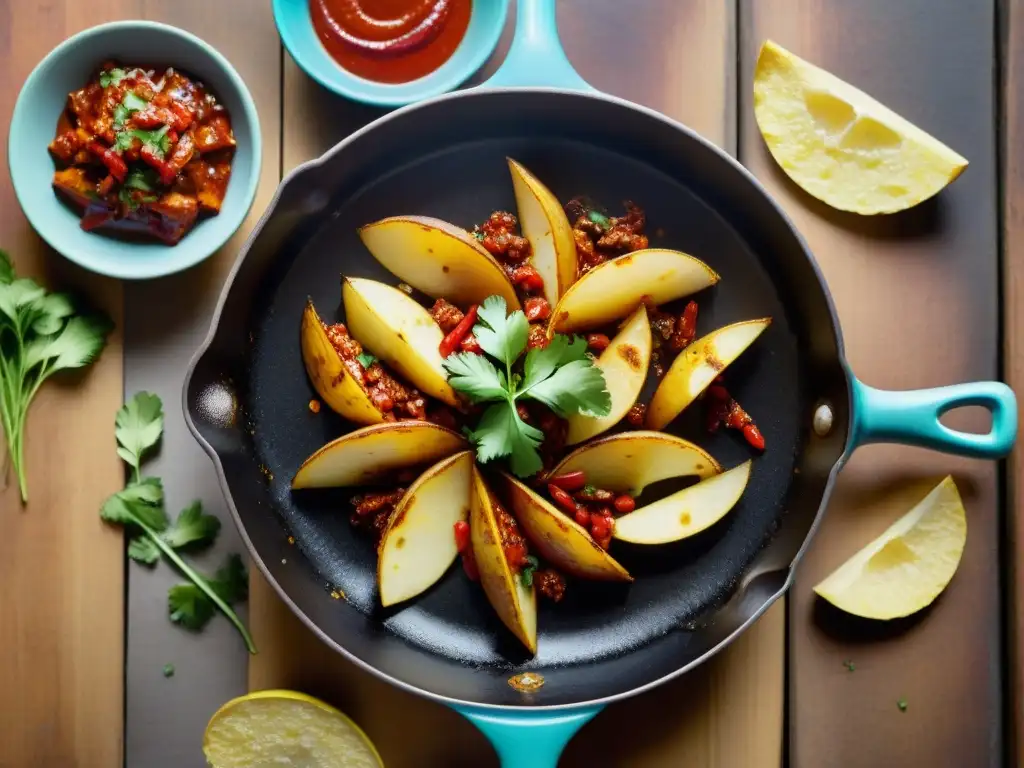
(246,396)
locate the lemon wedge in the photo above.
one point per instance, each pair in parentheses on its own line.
(908,566)
(839,144)
(270,729)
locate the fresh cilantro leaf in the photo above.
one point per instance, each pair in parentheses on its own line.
(576,387)
(123,140)
(54,308)
(476,376)
(112,77)
(366,359)
(541,362)
(479,235)
(6,268)
(125,195)
(156,139)
(502,433)
(193,526)
(168,670)
(139,504)
(503,338)
(133,102)
(599,218)
(143,549)
(526,574)
(138,427)
(190,607)
(78,344)
(17,301)
(141,178)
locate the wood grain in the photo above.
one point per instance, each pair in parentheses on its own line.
(61,568)
(1012,23)
(729,713)
(917,296)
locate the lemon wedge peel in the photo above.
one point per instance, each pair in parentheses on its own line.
(279,727)
(841,145)
(907,567)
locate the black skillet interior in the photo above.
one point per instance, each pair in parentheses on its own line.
(447,159)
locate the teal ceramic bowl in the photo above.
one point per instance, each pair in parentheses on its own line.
(295,26)
(34,121)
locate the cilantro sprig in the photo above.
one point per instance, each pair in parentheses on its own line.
(139,507)
(112,76)
(40,334)
(562,376)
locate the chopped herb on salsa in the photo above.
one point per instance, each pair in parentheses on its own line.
(366,359)
(112,77)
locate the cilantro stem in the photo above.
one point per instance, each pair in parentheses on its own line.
(200,582)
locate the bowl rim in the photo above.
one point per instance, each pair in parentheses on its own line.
(184,254)
(359,89)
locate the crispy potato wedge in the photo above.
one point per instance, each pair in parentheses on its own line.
(418,545)
(613,290)
(332,382)
(373,453)
(697,366)
(438,258)
(630,461)
(685,512)
(546,226)
(515,604)
(560,540)
(395,328)
(624,365)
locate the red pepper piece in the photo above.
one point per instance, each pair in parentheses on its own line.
(753,436)
(114,162)
(570,481)
(597,341)
(461,529)
(624,503)
(583,516)
(452,341)
(562,499)
(528,278)
(536,309)
(471,345)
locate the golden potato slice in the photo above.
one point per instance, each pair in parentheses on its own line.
(399,331)
(546,226)
(685,512)
(440,259)
(515,604)
(697,366)
(624,365)
(332,382)
(418,544)
(630,461)
(373,453)
(613,289)
(560,540)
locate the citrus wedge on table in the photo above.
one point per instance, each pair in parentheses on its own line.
(841,145)
(270,729)
(908,566)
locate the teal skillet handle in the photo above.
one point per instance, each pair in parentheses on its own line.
(912,418)
(536,57)
(525,739)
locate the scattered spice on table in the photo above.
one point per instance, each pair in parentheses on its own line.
(850,666)
(902,704)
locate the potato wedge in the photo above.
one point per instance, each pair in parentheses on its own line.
(612,290)
(560,540)
(373,453)
(697,366)
(685,512)
(515,604)
(438,258)
(630,461)
(624,365)
(546,226)
(395,328)
(332,382)
(418,545)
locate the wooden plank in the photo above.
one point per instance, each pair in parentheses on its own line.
(730,712)
(61,568)
(916,294)
(1012,24)
(166,320)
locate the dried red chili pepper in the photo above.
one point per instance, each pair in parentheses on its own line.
(570,481)
(452,341)
(461,530)
(562,499)
(686,328)
(597,341)
(753,436)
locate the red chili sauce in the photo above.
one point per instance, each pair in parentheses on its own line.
(390,41)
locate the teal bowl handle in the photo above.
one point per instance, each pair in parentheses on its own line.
(912,417)
(536,57)
(525,739)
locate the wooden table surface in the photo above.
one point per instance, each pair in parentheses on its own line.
(926,297)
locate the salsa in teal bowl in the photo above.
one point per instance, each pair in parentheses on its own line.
(41,103)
